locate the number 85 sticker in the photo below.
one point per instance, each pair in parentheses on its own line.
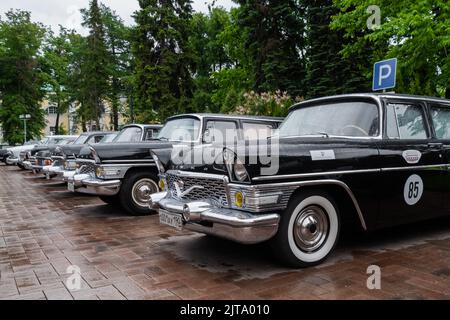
(413,190)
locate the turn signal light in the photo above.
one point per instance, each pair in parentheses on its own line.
(239,199)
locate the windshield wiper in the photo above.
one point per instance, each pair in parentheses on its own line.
(324,134)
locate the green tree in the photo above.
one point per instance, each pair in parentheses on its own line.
(21,77)
(276,43)
(118,43)
(56,66)
(97,65)
(416,32)
(163,76)
(329,73)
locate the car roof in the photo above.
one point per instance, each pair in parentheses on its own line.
(228,116)
(145,126)
(376,96)
(90,133)
(64,137)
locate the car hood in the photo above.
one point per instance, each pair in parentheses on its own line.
(70,149)
(123,151)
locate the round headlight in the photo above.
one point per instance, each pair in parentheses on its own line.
(239,171)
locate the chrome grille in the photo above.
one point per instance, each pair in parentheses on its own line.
(86,167)
(207,188)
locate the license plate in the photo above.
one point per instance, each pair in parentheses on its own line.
(71,186)
(169,219)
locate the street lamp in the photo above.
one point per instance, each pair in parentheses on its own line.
(25,118)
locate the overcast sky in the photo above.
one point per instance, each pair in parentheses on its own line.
(67,12)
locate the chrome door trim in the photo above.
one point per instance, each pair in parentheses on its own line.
(315,174)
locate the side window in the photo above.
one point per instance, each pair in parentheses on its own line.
(220,132)
(254,131)
(148,134)
(405,121)
(94,139)
(441,121)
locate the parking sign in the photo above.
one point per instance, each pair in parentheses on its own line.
(384,74)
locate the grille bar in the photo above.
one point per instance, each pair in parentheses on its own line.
(183,186)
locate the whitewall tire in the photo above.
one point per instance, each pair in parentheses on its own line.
(308,231)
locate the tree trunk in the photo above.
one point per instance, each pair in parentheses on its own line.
(57,118)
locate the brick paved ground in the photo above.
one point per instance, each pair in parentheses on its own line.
(44,230)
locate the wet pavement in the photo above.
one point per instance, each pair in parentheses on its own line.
(47,232)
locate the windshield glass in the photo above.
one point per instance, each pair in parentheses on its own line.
(186,129)
(108,138)
(81,139)
(130,134)
(347,119)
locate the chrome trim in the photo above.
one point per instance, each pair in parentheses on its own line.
(150,161)
(126,165)
(189,174)
(292,186)
(332,173)
(235,225)
(315,174)
(414,167)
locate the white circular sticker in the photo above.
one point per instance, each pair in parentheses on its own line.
(413,189)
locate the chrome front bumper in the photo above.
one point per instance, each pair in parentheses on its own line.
(12,161)
(235,225)
(86,183)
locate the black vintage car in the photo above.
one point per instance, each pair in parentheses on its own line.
(126,174)
(379,160)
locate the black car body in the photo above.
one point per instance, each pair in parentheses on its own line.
(379,160)
(129,134)
(127,173)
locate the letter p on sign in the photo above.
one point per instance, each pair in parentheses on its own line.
(384,74)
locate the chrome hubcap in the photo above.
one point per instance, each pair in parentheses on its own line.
(311,229)
(142,191)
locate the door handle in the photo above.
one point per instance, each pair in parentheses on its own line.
(436,145)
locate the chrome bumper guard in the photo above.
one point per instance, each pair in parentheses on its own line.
(235,225)
(12,161)
(85,183)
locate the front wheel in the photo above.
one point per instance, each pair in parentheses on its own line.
(308,231)
(135,192)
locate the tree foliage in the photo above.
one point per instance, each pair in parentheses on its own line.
(21,75)
(416,32)
(163,75)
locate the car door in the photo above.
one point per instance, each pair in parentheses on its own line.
(412,165)
(440,119)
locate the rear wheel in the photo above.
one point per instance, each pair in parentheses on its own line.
(136,190)
(308,231)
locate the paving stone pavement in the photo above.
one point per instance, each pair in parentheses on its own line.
(44,230)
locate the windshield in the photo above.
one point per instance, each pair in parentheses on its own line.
(108,138)
(130,134)
(347,119)
(64,142)
(186,129)
(81,139)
